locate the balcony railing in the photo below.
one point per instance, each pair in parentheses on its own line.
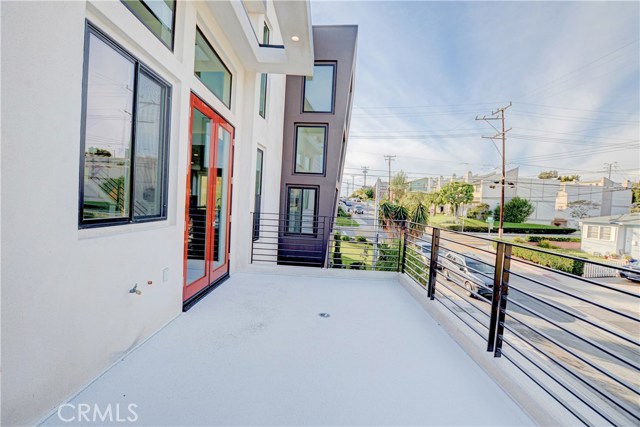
(575,337)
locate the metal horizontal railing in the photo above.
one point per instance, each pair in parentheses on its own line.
(576,337)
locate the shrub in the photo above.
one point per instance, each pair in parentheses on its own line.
(480,212)
(361,239)
(555,262)
(547,245)
(519,230)
(553,239)
(337,255)
(357,266)
(346,238)
(342,213)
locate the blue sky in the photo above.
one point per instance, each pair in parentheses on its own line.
(425,70)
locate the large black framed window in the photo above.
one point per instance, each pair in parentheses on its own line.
(157,15)
(211,71)
(124,153)
(319,89)
(257,207)
(302,210)
(311,142)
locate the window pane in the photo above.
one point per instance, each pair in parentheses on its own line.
(157,15)
(211,71)
(263,94)
(222,197)
(265,34)
(310,143)
(295,210)
(197,236)
(302,210)
(605,233)
(308,211)
(107,156)
(257,205)
(318,90)
(592,232)
(149,160)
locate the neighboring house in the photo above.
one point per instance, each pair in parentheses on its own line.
(612,234)
(137,140)
(611,198)
(549,197)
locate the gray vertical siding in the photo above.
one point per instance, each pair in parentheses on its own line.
(335,44)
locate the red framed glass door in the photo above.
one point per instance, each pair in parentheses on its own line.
(208,204)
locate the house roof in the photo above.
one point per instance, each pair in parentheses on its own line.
(630,219)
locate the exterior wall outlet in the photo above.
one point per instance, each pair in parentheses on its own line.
(165,274)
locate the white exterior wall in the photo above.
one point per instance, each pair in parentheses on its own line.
(67,313)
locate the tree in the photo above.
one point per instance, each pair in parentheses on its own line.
(516,210)
(399,185)
(431,200)
(635,197)
(548,174)
(581,208)
(481,211)
(569,178)
(456,194)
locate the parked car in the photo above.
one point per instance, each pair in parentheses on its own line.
(634,275)
(348,205)
(358,209)
(469,271)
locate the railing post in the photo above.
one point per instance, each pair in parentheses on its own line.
(402,247)
(504,292)
(433,264)
(495,299)
(253,233)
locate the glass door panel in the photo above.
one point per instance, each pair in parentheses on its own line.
(197,230)
(223,150)
(208,199)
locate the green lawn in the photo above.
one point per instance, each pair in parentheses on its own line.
(342,221)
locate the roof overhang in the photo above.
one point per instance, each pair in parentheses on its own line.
(294,19)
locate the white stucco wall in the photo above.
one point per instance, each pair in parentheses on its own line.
(67,313)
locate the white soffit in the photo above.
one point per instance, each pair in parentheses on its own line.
(294,19)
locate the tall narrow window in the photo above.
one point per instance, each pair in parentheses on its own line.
(257,206)
(211,70)
(157,15)
(310,149)
(318,89)
(262,110)
(123,172)
(301,211)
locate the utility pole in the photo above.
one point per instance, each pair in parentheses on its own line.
(502,135)
(609,166)
(365,169)
(389,159)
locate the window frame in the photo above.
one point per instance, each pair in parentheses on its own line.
(332,64)
(264,77)
(206,40)
(296,127)
(316,191)
(257,204)
(173,23)
(139,67)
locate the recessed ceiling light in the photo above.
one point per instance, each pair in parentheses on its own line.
(295,38)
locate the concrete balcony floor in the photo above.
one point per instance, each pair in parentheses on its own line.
(256,352)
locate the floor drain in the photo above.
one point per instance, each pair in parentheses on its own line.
(324,315)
